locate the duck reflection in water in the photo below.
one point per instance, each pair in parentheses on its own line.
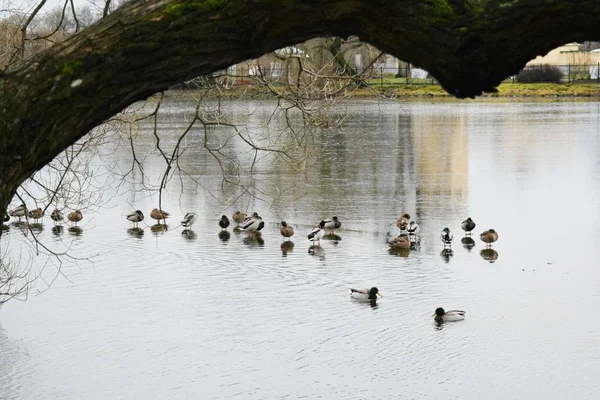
(447,254)
(468,243)
(136,232)
(317,251)
(254,240)
(36,227)
(159,228)
(223,235)
(335,238)
(287,247)
(75,231)
(57,230)
(399,252)
(490,255)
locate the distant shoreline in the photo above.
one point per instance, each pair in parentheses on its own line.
(418,91)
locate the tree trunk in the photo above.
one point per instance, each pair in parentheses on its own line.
(146,46)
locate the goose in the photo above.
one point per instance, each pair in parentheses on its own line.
(238,217)
(252,224)
(413,228)
(317,234)
(332,224)
(159,214)
(400,242)
(75,216)
(188,220)
(365,294)
(446,237)
(19,212)
(35,214)
(135,217)
(440,315)
(287,231)
(402,222)
(489,237)
(56,216)
(224,222)
(468,225)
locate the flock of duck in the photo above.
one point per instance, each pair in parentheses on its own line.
(408,238)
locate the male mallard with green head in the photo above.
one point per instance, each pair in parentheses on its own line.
(441,315)
(365,294)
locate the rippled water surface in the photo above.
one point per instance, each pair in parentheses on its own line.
(172,316)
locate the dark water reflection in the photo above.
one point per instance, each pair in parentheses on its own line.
(180,314)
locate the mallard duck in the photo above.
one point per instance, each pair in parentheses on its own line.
(56,216)
(35,214)
(448,316)
(249,217)
(252,224)
(468,225)
(224,222)
(75,216)
(188,220)
(446,237)
(287,231)
(365,294)
(135,217)
(19,212)
(400,242)
(413,228)
(159,214)
(238,217)
(332,224)
(402,222)
(489,237)
(317,234)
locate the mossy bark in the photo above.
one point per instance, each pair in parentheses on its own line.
(148,45)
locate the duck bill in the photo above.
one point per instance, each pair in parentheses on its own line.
(379,294)
(433,315)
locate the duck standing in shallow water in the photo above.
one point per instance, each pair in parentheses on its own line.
(400,242)
(446,237)
(188,220)
(224,222)
(448,316)
(135,217)
(238,217)
(365,294)
(413,228)
(287,231)
(18,212)
(489,237)
(56,216)
(402,222)
(75,216)
(35,214)
(467,225)
(332,224)
(159,215)
(252,224)
(317,234)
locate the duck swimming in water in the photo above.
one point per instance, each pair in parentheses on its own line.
(365,294)
(441,315)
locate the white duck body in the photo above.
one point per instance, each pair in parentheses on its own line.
(136,217)
(413,228)
(365,294)
(189,219)
(317,234)
(18,212)
(446,236)
(253,224)
(448,316)
(332,224)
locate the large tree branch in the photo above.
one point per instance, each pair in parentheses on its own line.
(148,45)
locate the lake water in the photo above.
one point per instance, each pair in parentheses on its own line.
(172,316)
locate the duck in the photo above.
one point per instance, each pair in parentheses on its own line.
(252,224)
(317,234)
(19,212)
(467,225)
(287,231)
(35,214)
(400,242)
(6,217)
(413,228)
(75,216)
(249,217)
(188,220)
(238,217)
(56,216)
(135,217)
(365,294)
(224,222)
(159,214)
(440,315)
(446,237)
(332,224)
(402,222)
(489,237)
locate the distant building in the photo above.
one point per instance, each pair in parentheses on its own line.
(567,54)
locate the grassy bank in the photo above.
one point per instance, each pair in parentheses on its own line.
(505,90)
